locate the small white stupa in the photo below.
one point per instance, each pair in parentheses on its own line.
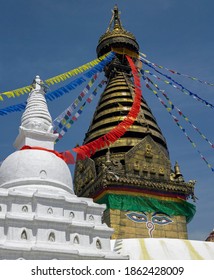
(40,216)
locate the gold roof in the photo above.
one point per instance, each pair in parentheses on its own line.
(116,36)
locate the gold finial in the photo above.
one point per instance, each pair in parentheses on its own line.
(177,169)
(108,157)
(116,37)
(115,23)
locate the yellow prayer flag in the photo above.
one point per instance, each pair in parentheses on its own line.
(78,70)
(84,67)
(67,76)
(68,125)
(49,82)
(25,91)
(17,92)
(71,73)
(9,94)
(55,81)
(94,63)
(28,89)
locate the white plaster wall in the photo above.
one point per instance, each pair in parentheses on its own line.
(164,249)
(38,224)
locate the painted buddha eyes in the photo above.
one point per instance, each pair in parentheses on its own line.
(161,220)
(136,217)
(157,218)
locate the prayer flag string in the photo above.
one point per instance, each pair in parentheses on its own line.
(95,64)
(51,96)
(177,123)
(174,71)
(173,85)
(69,122)
(14,108)
(75,83)
(68,119)
(172,106)
(78,70)
(73,105)
(183,89)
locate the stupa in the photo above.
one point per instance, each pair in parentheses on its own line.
(145,196)
(40,216)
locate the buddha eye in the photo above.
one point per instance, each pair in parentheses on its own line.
(161,220)
(137,217)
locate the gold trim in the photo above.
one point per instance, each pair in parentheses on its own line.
(165,198)
(125,51)
(133,128)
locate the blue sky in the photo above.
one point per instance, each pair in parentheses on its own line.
(50,37)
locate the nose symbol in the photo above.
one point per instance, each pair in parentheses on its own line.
(150,227)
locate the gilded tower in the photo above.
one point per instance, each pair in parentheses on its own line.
(133,176)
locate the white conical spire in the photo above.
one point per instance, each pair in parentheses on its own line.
(36,124)
(36,115)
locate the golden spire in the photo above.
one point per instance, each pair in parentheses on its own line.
(138,162)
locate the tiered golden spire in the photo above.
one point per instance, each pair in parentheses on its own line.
(138,163)
(114,105)
(117,99)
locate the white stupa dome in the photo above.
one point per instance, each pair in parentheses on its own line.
(38,165)
(35,167)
